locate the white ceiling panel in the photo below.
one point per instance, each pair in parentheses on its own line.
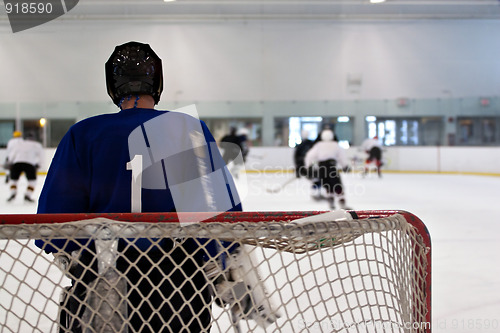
(284,9)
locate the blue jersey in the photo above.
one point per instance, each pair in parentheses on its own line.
(180,169)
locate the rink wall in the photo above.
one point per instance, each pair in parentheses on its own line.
(473,160)
(464,160)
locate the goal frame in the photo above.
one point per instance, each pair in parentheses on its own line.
(233,217)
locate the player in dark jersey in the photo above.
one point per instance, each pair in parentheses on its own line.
(299,155)
(91,172)
(231,143)
(373,148)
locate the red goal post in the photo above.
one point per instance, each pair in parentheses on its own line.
(370,272)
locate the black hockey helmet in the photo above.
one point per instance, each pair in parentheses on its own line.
(133,69)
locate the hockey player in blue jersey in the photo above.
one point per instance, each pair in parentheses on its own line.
(181,170)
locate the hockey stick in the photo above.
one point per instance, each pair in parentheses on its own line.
(281,187)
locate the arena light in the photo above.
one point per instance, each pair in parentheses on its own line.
(43,121)
(343,119)
(377,1)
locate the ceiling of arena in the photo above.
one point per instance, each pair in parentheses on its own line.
(189,10)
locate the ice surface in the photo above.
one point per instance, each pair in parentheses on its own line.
(462,213)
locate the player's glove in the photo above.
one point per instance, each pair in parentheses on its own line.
(237,284)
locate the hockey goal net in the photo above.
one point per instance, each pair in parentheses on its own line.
(364,271)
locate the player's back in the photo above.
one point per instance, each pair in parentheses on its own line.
(326,150)
(26,151)
(93,157)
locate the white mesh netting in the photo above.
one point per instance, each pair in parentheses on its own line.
(362,275)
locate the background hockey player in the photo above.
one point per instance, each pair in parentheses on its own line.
(243,134)
(373,148)
(17,136)
(329,158)
(234,151)
(90,172)
(231,145)
(235,147)
(23,156)
(299,155)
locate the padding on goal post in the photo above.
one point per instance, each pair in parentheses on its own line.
(341,271)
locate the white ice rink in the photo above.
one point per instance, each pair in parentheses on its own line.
(462,213)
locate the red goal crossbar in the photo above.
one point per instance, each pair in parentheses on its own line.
(234,217)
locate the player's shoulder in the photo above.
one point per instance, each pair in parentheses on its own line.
(108,120)
(126,120)
(184,120)
(181,116)
(326,144)
(93,120)
(32,143)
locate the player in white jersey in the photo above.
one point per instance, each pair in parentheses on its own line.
(24,156)
(373,148)
(17,137)
(329,158)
